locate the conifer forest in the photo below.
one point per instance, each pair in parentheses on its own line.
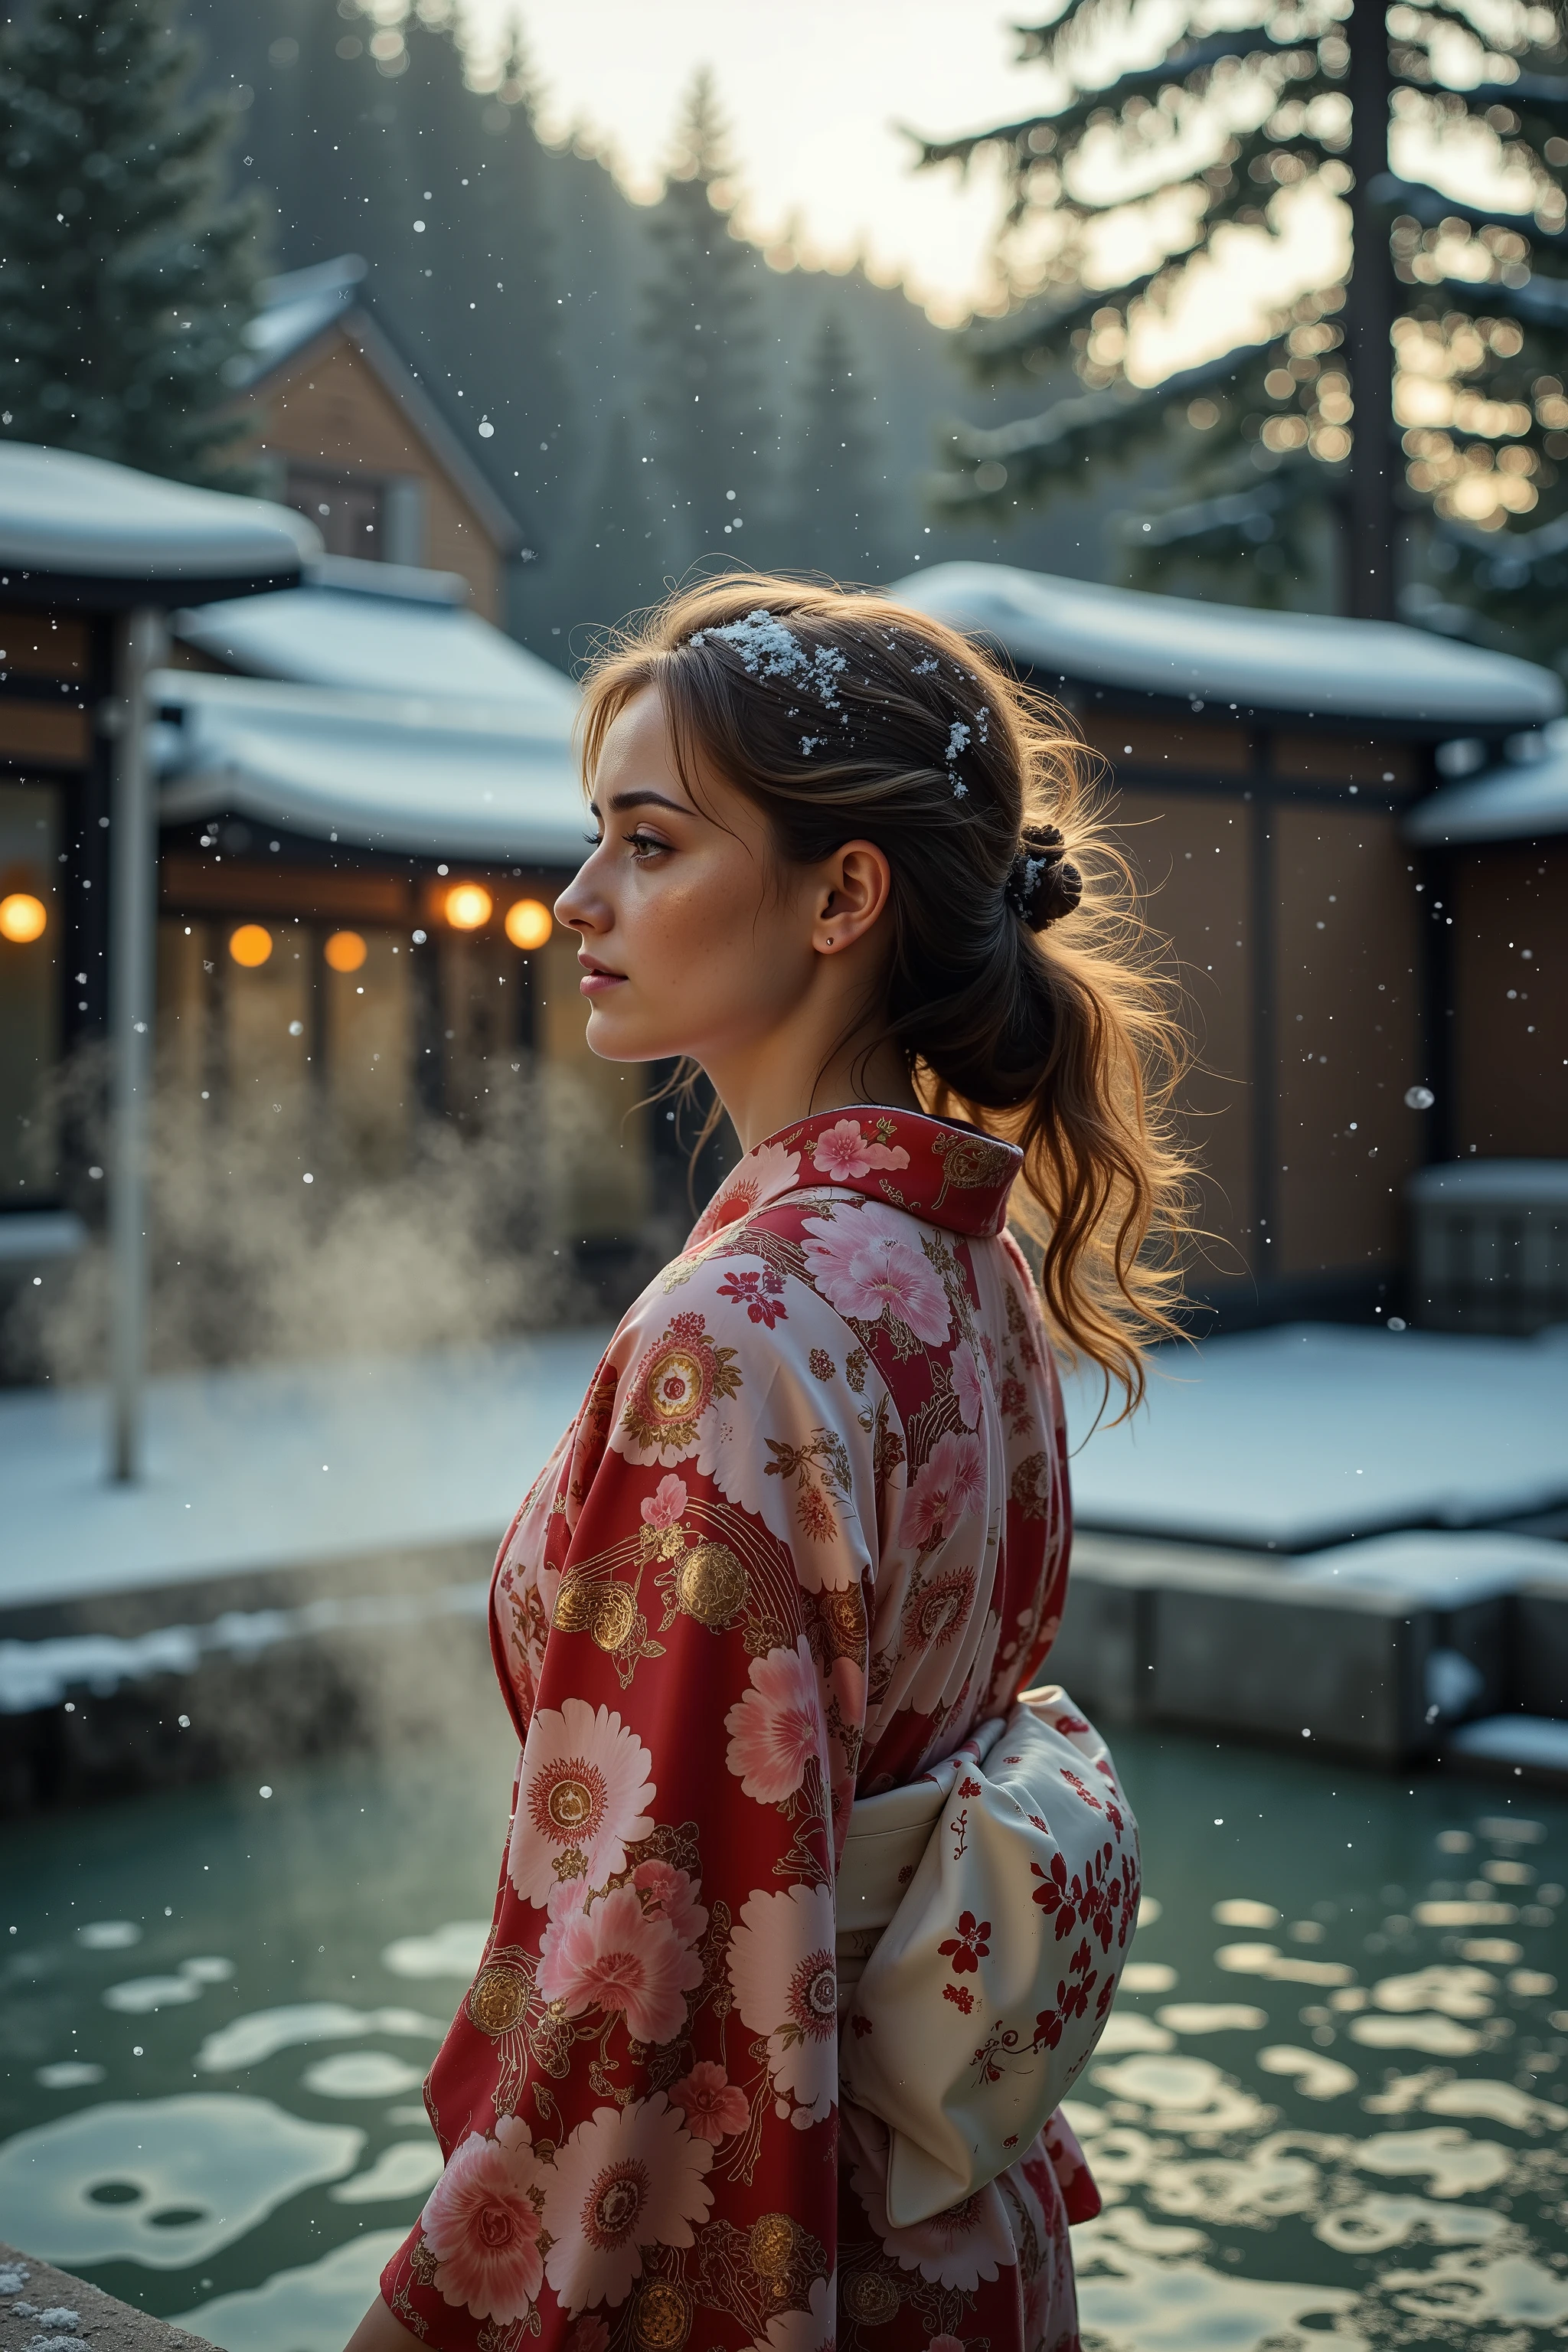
(660,390)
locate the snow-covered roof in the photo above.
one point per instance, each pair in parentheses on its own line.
(68,517)
(1518,801)
(381,629)
(295,308)
(423,773)
(1231,656)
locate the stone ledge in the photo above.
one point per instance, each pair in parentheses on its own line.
(45,2310)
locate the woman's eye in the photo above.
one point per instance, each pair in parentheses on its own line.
(644,846)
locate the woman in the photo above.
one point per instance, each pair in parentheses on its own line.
(810,1526)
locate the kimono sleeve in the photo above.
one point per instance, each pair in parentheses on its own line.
(638,2097)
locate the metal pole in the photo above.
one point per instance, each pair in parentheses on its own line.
(1371,587)
(133,915)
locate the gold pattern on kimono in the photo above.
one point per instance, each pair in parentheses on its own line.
(498,1999)
(710,1584)
(969,1162)
(661,2316)
(1032,1487)
(674,1385)
(856,1364)
(869,2297)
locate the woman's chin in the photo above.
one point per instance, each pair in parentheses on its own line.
(616,1040)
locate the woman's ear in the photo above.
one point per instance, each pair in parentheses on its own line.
(854,887)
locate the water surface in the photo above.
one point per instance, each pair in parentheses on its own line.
(1331,2108)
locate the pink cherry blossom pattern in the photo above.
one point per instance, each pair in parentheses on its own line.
(673,1893)
(482,2226)
(842,1152)
(777,1727)
(713,2105)
(666,1504)
(582,1794)
(863,1263)
(949,1486)
(617,1957)
(627,2179)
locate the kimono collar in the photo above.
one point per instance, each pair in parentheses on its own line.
(946,1174)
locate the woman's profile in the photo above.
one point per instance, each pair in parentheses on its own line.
(783,1580)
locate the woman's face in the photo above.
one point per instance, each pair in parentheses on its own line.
(694,938)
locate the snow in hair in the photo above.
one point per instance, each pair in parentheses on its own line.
(767,649)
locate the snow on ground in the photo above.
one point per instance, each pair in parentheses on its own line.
(1311,1434)
(1290,1438)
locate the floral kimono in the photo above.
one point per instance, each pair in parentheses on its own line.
(808,1530)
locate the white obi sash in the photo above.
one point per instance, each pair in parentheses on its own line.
(984,1915)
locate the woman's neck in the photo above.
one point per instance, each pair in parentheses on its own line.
(771,1091)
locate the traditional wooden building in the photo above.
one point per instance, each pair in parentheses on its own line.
(348,437)
(1265,770)
(370,801)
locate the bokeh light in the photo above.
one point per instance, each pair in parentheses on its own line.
(23,918)
(529,922)
(345,951)
(467,906)
(250,945)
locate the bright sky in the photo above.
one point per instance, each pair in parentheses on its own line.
(813,91)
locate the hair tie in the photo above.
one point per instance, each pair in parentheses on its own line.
(1041,883)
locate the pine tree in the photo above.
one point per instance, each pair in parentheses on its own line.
(1443,342)
(837,510)
(711,437)
(126,283)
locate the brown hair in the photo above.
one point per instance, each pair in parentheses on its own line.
(846,715)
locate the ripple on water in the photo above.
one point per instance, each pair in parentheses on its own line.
(162,2181)
(315,2309)
(1132,2303)
(362,2074)
(108,1934)
(1374,2223)
(1212,2017)
(1186,2093)
(1315,2076)
(1472,2289)
(1456,2165)
(1126,2032)
(249,2041)
(454,1951)
(406,2170)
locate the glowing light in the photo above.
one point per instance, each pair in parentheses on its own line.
(467,906)
(23,918)
(250,945)
(529,922)
(345,951)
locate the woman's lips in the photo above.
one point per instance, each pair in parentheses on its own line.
(595,983)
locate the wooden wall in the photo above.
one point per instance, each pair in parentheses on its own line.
(1274,863)
(1508,989)
(336,412)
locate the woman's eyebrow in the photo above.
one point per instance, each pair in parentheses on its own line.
(646,798)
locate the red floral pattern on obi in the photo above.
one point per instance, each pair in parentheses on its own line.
(808,1532)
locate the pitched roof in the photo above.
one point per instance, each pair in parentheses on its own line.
(302,310)
(1299,663)
(1521,799)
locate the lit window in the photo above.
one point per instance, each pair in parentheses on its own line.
(23,918)
(467,907)
(529,922)
(250,945)
(345,951)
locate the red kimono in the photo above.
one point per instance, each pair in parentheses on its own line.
(809,1529)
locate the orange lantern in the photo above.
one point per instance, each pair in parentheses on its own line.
(23,918)
(529,923)
(250,945)
(467,906)
(345,951)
